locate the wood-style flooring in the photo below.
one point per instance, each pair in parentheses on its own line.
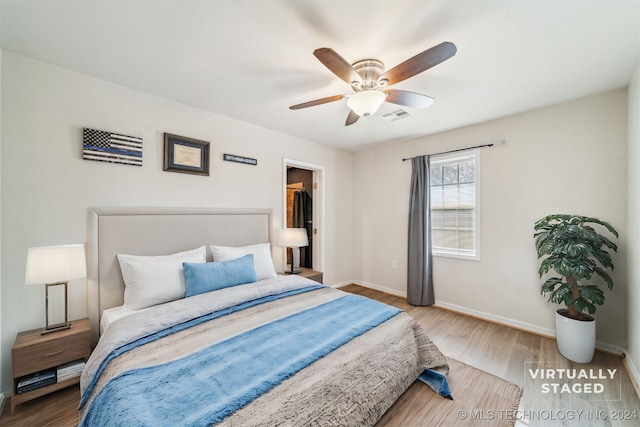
(502,351)
(516,356)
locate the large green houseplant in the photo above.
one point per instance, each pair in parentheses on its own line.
(572,247)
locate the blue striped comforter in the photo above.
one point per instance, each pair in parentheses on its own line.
(202,384)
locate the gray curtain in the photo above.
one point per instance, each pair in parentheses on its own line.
(420,271)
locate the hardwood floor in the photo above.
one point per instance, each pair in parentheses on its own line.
(507,353)
(57,409)
(517,356)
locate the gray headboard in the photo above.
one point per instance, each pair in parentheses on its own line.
(158,231)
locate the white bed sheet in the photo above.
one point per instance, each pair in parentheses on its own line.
(110,315)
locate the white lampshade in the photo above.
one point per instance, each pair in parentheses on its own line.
(293,237)
(366,102)
(53,264)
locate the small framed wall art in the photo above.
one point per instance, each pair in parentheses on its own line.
(186,155)
(111,147)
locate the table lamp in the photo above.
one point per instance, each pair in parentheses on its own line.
(294,238)
(55,266)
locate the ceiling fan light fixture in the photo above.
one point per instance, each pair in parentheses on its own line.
(366,102)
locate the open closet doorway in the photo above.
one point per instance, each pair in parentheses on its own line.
(303,208)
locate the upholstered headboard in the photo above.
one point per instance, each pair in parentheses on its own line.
(158,231)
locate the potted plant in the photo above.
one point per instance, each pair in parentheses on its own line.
(576,251)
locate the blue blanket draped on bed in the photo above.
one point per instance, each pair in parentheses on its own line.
(207,386)
(182,326)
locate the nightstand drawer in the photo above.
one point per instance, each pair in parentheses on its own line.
(47,355)
(33,352)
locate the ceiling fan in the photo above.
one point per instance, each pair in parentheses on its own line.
(369,80)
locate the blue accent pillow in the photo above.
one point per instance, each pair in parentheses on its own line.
(211,276)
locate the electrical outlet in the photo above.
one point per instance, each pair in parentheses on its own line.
(394,264)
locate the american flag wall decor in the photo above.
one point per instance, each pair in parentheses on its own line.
(111,147)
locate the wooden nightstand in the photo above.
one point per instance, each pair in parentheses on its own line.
(33,352)
(311,274)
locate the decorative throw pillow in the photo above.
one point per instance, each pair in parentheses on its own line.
(211,276)
(151,280)
(261,257)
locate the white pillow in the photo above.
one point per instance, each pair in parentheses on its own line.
(151,280)
(261,257)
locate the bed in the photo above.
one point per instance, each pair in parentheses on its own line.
(235,344)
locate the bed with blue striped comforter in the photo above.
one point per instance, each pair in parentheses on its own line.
(284,351)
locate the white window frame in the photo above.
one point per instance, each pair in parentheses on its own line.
(453,157)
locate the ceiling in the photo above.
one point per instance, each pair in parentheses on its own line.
(251,59)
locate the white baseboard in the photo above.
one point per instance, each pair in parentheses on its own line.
(523,326)
(341,284)
(634,373)
(498,319)
(610,348)
(2,400)
(463,310)
(377,288)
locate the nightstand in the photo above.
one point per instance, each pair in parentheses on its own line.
(311,274)
(33,352)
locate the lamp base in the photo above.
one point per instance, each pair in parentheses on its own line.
(295,261)
(55,328)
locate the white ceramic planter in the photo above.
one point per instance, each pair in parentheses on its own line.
(576,338)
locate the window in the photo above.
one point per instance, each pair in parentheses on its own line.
(455,222)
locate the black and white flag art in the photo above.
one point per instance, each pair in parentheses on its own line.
(111,147)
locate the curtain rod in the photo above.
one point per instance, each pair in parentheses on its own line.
(455,151)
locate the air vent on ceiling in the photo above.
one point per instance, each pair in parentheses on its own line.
(396,115)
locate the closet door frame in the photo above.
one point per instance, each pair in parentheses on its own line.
(317,193)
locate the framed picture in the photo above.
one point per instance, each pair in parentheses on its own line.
(186,155)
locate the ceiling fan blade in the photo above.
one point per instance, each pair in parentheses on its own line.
(409,99)
(351,118)
(337,64)
(421,62)
(317,102)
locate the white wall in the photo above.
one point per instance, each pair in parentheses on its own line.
(568,158)
(633,213)
(565,158)
(47,186)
